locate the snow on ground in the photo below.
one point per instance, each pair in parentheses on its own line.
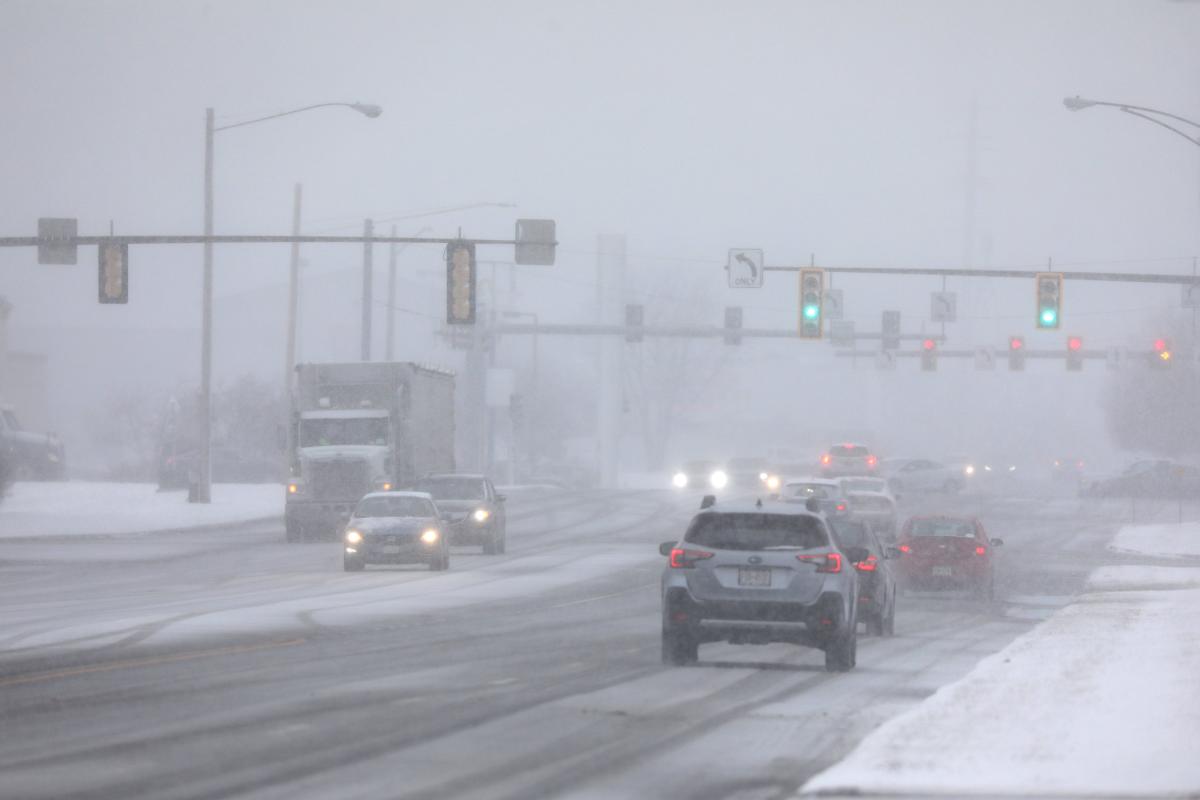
(1101,699)
(85,507)
(1172,541)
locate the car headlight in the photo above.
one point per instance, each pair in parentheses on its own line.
(762,476)
(718,479)
(773,482)
(293,487)
(430,536)
(353,537)
(969,469)
(679,480)
(481,514)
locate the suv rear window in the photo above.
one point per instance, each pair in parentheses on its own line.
(850,451)
(942,527)
(756,531)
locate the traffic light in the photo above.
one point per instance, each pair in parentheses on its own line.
(635,317)
(812,293)
(114,272)
(928,355)
(733,325)
(1074,353)
(1162,353)
(460,283)
(1049,300)
(1016,352)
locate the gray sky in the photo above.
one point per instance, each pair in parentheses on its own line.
(830,128)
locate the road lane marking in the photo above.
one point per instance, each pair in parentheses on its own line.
(146,662)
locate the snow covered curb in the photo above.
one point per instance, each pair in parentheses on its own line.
(1167,541)
(84,508)
(1100,699)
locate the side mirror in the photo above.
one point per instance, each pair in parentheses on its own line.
(997,542)
(812,504)
(708,501)
(665,548)
(857,554)
(500,498)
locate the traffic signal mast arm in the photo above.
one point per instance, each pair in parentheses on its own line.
(1118,277)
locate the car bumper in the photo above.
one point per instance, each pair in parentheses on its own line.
(385,551)
(810,624)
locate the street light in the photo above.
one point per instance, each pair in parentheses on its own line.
(534,406)
(1078,103)
(203,491)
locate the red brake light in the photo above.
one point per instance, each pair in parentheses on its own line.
(980,550)
(905,548)
(867,565)
(686,559)
(841,507)
(872,461)
(826,562)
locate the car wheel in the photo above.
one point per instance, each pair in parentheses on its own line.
(353,565)
(842,653)
(679,647)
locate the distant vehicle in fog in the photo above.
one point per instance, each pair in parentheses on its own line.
(700,474)
(947,552)
(922,475)
(876,581)
(28,455)
(848,459)
(472,508)
(872,502)
(748,473)
(1148,478)
(826,492)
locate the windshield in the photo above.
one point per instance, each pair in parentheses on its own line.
(352,431)
(395,507)
(453,488)
(942,527)
(756,531)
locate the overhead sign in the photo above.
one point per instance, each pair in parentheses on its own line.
(536,242)
(841,332)
(985,358)
(56,240)
(833,304)
(943,307)
(745,268)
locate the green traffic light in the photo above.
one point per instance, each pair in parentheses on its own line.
(811,312)
(1049,317)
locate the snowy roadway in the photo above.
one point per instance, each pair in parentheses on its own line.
(225,663)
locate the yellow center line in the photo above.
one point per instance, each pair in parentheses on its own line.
(146,662)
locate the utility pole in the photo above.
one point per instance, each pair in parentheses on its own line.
(389,345)
(293,294)
(367,278)
(201,488)
(610,267)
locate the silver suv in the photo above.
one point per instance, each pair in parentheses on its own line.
(745,573)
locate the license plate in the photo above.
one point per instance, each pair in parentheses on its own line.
(943,572)
(749,576)
(391,549)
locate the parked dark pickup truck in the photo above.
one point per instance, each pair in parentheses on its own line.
(30,456)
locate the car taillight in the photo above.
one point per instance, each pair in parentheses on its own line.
(826,459)
(826,562)
(686,559)
(840,507)
(867,565)
(980,550)
(872,461)
(905,548)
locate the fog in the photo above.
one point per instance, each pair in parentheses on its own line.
(867,133)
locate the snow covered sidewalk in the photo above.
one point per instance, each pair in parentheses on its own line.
(1100,699)
(73,508)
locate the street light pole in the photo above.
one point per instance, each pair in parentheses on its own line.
(368,278)
(1078,103)
(201,488)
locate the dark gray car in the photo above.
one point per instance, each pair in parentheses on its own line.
(745,573)
(473,510)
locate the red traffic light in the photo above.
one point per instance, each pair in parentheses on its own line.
(1074,343)
(1016,343)
(1160,345)
(928,344)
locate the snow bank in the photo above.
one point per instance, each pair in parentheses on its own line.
(80,507)
(1172,541)
(1101,699)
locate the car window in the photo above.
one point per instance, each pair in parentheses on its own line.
(452,488)
(395,507)
(942,527)
(803,491)
(756,531)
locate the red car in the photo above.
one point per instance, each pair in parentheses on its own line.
(939,552)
